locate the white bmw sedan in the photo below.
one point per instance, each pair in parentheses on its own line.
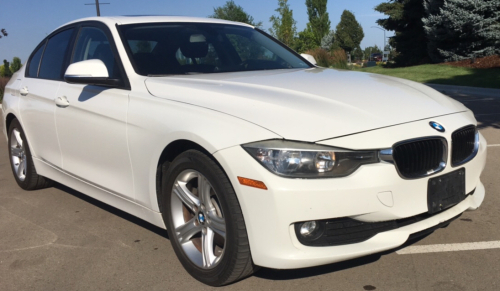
(245,151)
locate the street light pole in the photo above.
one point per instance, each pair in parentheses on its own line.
(383,49)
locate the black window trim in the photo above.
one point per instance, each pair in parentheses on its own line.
(125,84)
(44,43)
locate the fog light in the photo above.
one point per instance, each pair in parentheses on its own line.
(308,228)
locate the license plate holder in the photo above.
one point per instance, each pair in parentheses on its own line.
(446,190)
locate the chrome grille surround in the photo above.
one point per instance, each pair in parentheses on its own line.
(421,157)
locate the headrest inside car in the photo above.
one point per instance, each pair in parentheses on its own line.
(195,47)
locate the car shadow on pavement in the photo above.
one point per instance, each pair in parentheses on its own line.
(274,274)
(113,210)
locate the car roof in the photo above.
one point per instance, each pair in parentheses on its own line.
(132,19)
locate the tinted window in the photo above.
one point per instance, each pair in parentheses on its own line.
(35,62)
(93,43)
(142,46)
(53,57)
(193,48)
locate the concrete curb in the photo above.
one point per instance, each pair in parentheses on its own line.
(449,89)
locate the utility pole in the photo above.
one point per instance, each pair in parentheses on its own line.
(97,6)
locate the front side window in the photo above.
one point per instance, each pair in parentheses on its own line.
(35,62)
(194,48)
(54,54)
(93,43)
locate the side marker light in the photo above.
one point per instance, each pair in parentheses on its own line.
(252,183)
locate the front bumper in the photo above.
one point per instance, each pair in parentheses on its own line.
(373,193)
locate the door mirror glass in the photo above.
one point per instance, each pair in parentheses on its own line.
(91,72)
(309,58)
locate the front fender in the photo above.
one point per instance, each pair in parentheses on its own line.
(154,123)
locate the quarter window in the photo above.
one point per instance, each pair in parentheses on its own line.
(53,57)
(35,62)
(93,44)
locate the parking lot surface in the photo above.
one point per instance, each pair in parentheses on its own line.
(59,239)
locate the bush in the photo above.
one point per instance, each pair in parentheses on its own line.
(339,59)
(3,83)
(321,56)
(336,59)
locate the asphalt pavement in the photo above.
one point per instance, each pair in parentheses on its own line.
(59,239)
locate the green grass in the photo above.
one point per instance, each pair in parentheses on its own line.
(443,74)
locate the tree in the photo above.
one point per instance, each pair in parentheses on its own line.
(305,40)
(15,65)
(327,41)
(3,32)
(405,19)
(357,54)
(232,12)
(5,69)
(318,19)
(349,32)
(462,29)
(283,25)
(371,50)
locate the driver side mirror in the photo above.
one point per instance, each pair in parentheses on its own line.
(309,58)
(90,72)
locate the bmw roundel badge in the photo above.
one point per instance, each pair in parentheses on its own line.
(437,126)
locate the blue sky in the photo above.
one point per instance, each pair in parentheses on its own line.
(29,21)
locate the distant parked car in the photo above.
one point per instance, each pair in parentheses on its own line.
(377,57)
(245,151)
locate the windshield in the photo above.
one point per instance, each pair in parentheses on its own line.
(195,48)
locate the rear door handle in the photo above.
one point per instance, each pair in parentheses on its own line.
(24,91)
(62,102)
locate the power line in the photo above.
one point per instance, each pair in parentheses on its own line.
(97,6)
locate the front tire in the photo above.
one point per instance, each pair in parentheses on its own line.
(21,161)
(204,220)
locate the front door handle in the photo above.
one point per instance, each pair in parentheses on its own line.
(24,91)
(62,102)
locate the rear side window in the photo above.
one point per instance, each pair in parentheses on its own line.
(53,57)
(35,62)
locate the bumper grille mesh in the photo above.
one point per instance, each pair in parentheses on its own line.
(344,231)
(463,145)
(418,158)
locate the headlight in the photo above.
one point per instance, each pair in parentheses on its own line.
(307,160)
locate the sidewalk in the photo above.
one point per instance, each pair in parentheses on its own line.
(449,89)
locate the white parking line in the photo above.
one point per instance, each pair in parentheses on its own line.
(494,145)
(449,248)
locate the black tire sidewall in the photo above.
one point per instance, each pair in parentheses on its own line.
(194,160)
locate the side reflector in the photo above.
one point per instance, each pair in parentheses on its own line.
(252,183)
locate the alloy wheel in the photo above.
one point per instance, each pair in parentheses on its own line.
(198,220)
(18,154)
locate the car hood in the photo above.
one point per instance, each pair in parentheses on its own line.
(308,104)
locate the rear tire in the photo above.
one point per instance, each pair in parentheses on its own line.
(193,217)
(21,161)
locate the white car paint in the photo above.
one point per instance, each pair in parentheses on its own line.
(109,146)
(88,68)
(298,104)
